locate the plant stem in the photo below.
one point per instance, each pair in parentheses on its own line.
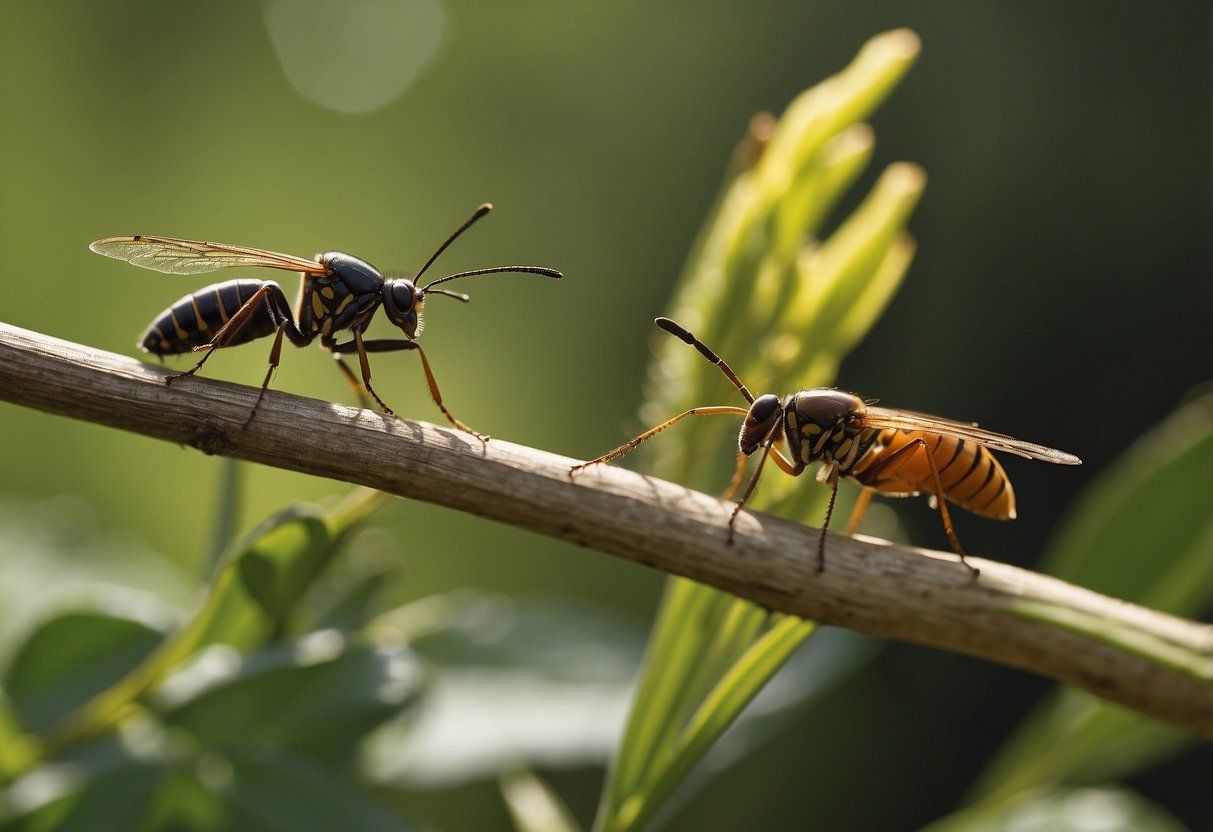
(870,586)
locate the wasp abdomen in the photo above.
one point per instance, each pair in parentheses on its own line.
(194,320)
(971,477)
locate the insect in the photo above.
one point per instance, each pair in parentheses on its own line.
(338,293)
(895,452)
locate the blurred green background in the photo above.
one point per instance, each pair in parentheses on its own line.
(1061,291)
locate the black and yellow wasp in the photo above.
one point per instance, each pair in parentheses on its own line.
(338,293)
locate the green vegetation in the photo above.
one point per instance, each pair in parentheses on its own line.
(337,671)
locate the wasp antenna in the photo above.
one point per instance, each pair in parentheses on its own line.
(685,335)
(542,270)
(456,295)
(477,214)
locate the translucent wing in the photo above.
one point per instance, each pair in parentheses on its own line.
(880,417)
(173,256)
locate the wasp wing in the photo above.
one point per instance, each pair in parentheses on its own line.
(173,256)
(881,417)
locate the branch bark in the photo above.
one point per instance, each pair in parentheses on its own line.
(1156,663)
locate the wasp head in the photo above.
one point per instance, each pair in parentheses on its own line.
(402,303)
(759,422)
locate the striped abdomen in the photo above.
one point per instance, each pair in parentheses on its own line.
(972,478)
(194,320)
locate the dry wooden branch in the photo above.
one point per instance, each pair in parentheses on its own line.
(1009,615)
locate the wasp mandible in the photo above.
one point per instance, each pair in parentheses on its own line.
(895,452)
(337,293)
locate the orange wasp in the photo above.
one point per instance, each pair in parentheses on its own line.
(895,452)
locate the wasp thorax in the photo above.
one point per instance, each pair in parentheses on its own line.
(402,302)
(822,424)
(360,276)
(828,408)
(759,422)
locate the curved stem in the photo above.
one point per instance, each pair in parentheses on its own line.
(1156,663)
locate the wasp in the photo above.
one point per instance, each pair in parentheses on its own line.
(895,452)
(338,293)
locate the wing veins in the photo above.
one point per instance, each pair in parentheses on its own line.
(175,256)
(880,417)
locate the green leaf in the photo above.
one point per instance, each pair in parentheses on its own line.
(17,750)
(56,557)
(1064,810)
(681,635)
(252,786)
(510,681)
(279,566)
(775,304)
(102,798)
(1141,530)
(843,286)
(274,790)
(349,597)
(318,696)
(70,659)
(533,806)
(238,737)
(188,797)
(264,576)
(248,603)
(717,712)
(1113,541)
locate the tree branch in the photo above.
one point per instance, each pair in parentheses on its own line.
(1155,663)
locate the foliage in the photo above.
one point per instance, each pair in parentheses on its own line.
(284,698)
(244,706)
(1073,740)
(776,304)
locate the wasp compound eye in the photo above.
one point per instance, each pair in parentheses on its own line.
(763,408)
(398,300)
(759,422)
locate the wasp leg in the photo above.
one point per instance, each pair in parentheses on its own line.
(270,300)
(362,347)
(857,512)
(227,333)
(860,508)
(768,449)
(651,432)
(275,355)
(872,475)
(363,401)
(738,476)
(821,542)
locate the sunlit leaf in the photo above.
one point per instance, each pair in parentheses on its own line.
(533,805)
(266,574)
(775,304)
